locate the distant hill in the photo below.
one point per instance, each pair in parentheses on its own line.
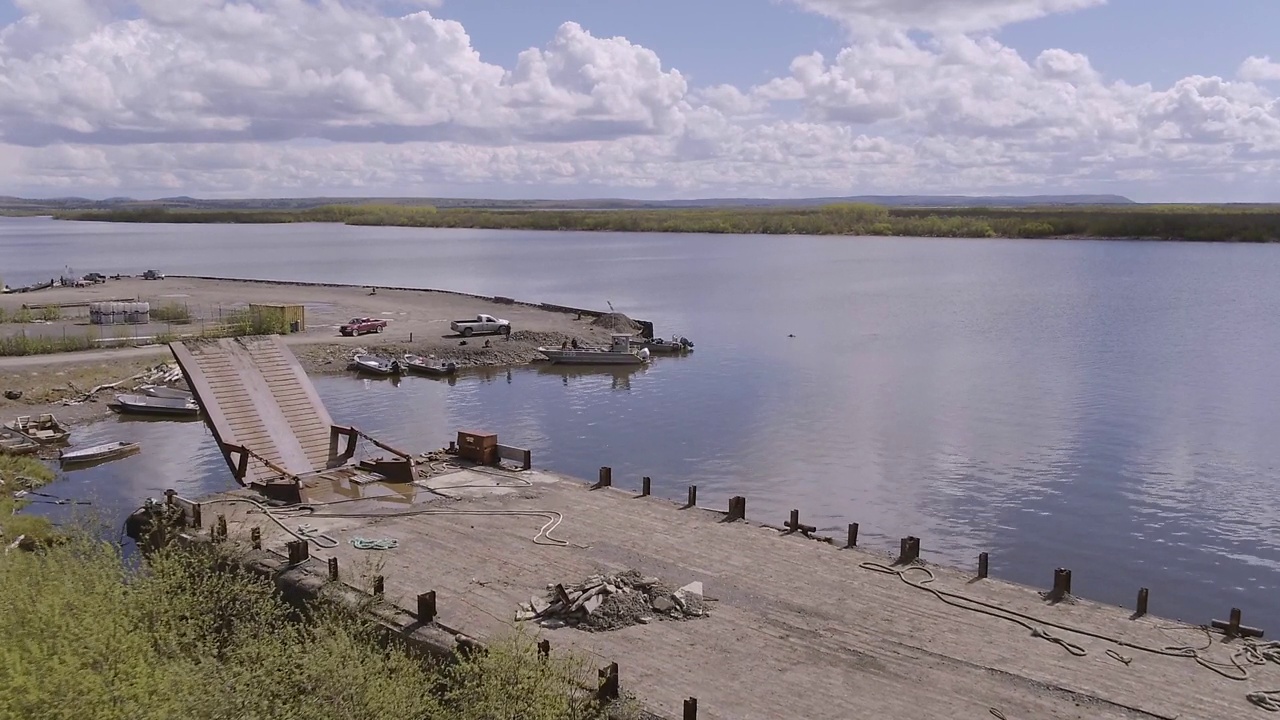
(189,203)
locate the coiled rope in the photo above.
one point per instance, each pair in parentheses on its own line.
(1251,652)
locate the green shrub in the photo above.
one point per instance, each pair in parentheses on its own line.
(171,312)
(85,638)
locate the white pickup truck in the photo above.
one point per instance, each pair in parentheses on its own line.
(482,324)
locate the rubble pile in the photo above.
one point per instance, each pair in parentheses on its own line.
(610,602)
(617,322)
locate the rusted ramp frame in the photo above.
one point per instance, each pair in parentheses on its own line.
(257,396)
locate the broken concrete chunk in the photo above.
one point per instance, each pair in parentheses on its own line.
(610,589)
(664,604)
(524,615)
(644,620)
(693,588)
(592,604)
(538,605)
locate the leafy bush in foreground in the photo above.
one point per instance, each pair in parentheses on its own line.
(87,638)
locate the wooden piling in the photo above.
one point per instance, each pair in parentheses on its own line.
(608,688)
(255,537)
(1143,595)
(196,520)
(852,542)
(645,486)
(737,508)
(299,551)
(691,708)
(984,565)
(169,496)
(379,585)
(333,569)
(220,529)
(606,477)
(693,496)
(427,606)
(908,550)
(544,649)
(1061,584)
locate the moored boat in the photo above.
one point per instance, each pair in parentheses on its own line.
(13,442)
(44,428)
(163,391)
(428,365)
(147,405)
(677,345)
(619,352)
(376,364)
(97,453)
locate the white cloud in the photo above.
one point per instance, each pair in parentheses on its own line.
(279,97)
(864,17)
(1260,69)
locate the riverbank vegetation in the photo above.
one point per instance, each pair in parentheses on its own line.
(21,474)
(234,323)
(1214,223)
(88,637)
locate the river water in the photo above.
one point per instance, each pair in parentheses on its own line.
(1110,407)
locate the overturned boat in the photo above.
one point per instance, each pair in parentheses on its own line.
(619,352)
(148,405)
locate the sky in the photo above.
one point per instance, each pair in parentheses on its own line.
(1157,100)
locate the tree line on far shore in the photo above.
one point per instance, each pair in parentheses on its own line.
(1156,222)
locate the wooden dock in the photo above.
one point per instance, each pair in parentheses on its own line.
(797,628)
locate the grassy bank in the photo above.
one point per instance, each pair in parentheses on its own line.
(237,323)
(19,473)
(87,638)
(1182,222)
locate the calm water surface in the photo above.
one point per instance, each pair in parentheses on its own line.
(1110,407)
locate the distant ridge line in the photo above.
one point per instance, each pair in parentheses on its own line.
(303,203)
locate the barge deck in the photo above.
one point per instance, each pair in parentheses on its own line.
(796,627)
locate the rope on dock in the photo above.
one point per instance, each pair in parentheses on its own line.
(1251,652)
(543,537)
(360,543)
(322,540)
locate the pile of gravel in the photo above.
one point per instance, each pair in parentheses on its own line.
(617,322)
(610,602)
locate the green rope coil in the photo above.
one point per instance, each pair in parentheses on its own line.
(360,543)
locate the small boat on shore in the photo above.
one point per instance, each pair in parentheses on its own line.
(376,365)
(677,345)
(428,365)
(619,352)
(43,429)
(163,391)
(147,405)
(97,453)
(13,442)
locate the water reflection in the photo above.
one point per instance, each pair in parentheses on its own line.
(1105,406)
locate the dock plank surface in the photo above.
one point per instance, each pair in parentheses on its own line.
(797,627)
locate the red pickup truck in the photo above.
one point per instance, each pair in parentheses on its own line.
(360,326)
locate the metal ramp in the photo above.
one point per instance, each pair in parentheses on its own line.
(264,411)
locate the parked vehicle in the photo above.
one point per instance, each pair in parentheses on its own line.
(152,275)
(482,324)
(429,365)
(97,454)
(360,326)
